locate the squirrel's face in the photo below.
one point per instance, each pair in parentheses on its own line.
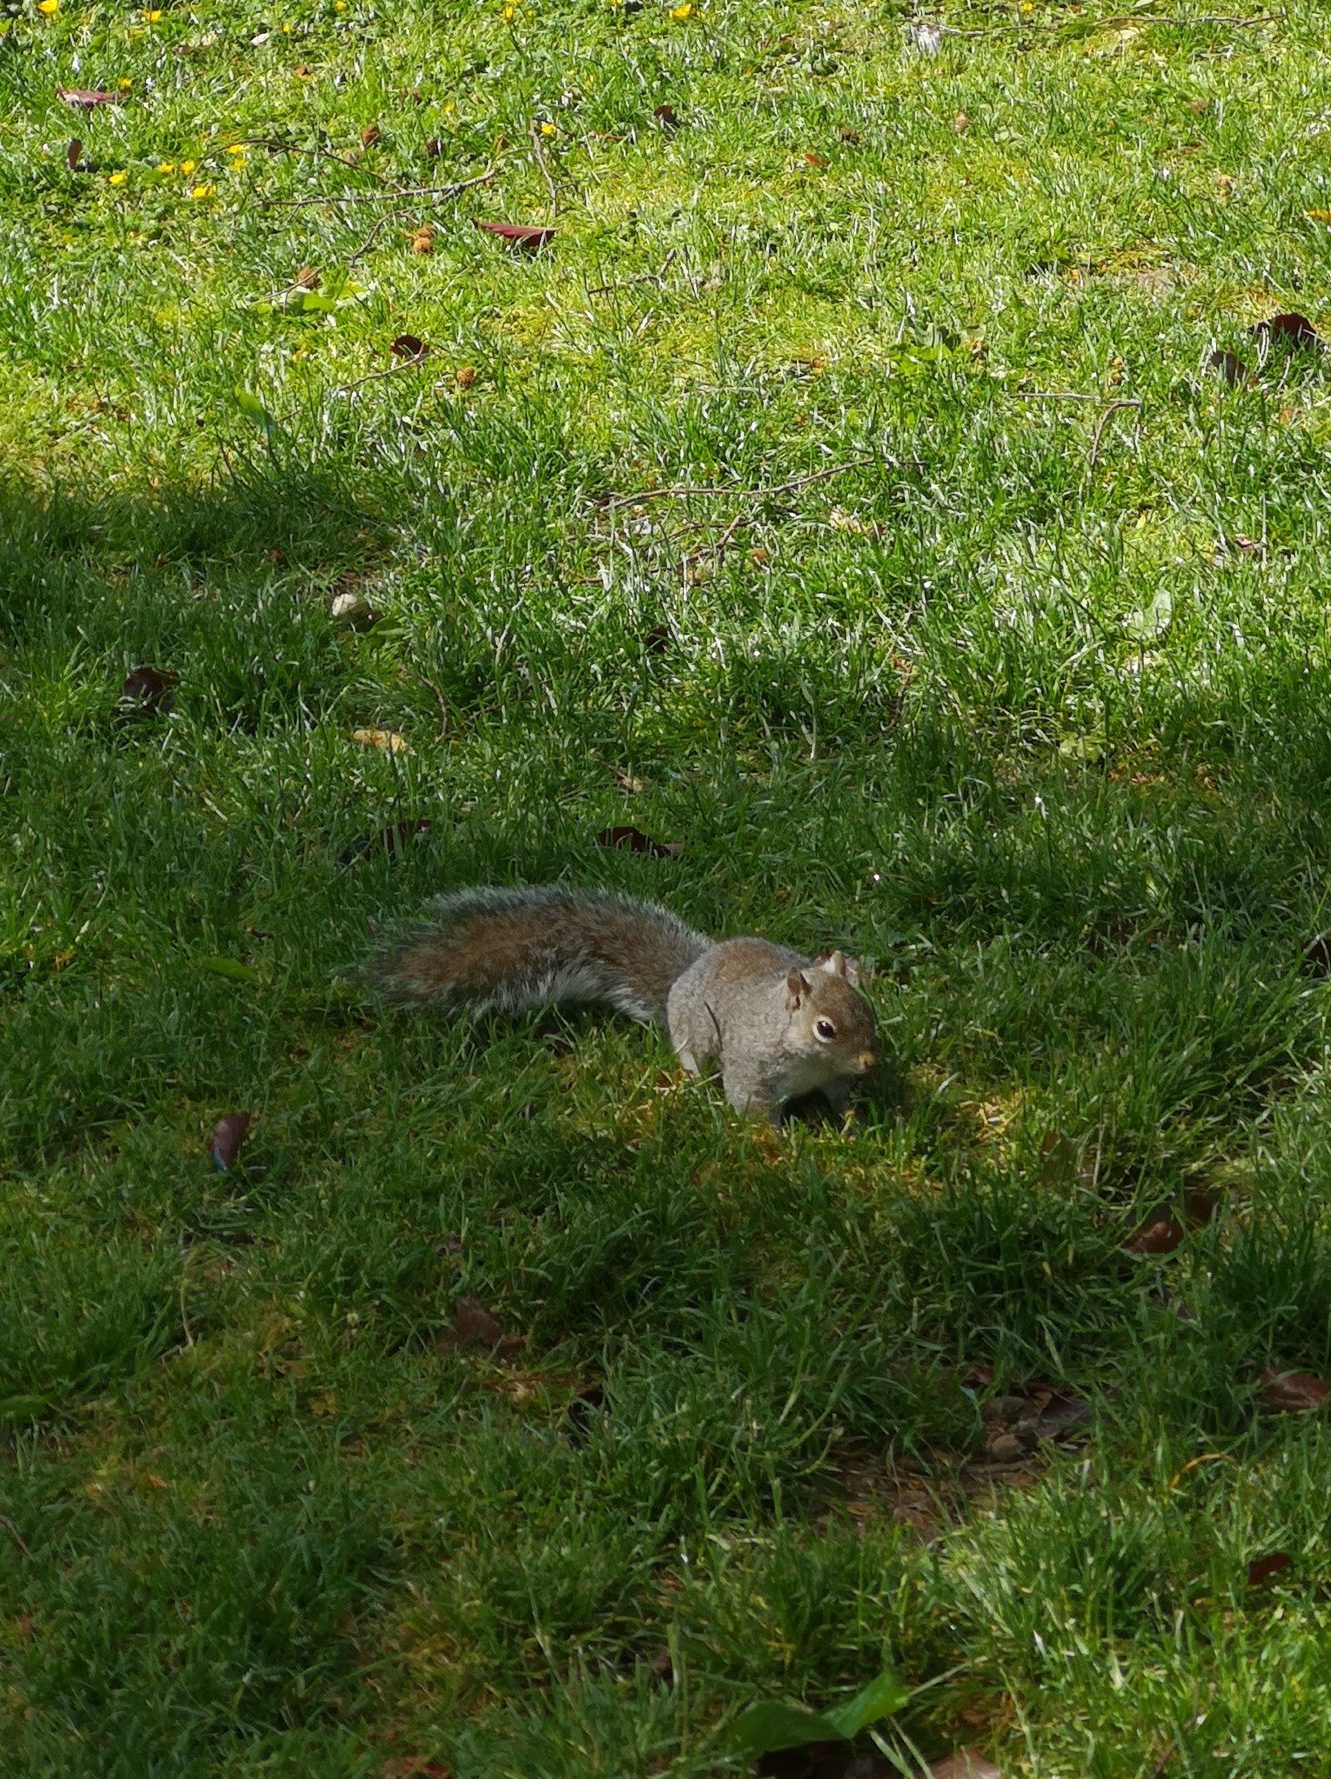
(830,1018)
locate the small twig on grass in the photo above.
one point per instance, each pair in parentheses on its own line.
(1054,395)
(185,1328)
(545,170)
(441,193)
(1122,21)
(819,475)
(657,277)
(393,370)
(718,549)
(14,1533)
(368,242)
(1100,425)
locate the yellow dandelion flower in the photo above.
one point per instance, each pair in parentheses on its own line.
(235,148)
(680,13)
(508,14)
(153,14)
(118,178)
(204,191)
(287,30)
(188,166)
(339,5)
(165,167)
(124,85)
(48,6)
(549,129)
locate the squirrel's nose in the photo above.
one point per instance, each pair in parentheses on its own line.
(866,1061)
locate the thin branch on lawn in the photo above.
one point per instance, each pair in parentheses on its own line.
(442,193)
(1053,395)
(14,1533)
(718,549)
(545,170)
(657,277)
(1122,21)
(819,475)
(1100,425)
(393,370)
(368,242)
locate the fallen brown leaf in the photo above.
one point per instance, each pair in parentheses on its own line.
(148,689)
(474,1325)
(961,123)
(352,611)
(1317,954)
(465,375)
(814,159)
(853,137)
(422,241)
(391,840)
(1291,1392)
(388,740)
(523,237)
(370,135)
(308,278)
(72,154)
(1231,367)
(667,117)
(1160,1237)
(408,346)
(1293,328)
(434,147)
(967,1763)
(1265,1567)
(86,97)
(634,840)
(228,1135)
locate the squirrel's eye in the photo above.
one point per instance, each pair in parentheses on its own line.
(825,1030)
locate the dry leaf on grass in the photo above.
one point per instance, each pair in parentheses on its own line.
(228,1135)
(1293,328)
(967,1763)
(1265,1567)
(391,840)
(148,689)
(388,741)
(523,237)
(85,98)
(634,840)
(1231,368)
(1291,1392)
(1160,1237)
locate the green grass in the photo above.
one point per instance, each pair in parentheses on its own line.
(261,1514)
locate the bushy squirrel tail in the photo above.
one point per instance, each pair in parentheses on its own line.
(502,950)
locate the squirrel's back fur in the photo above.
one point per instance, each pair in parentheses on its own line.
(501,950)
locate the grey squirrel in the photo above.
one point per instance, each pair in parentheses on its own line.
(780,1023)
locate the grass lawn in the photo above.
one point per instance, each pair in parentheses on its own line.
(844,492)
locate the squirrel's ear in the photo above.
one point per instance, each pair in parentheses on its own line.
(836,963)
(797,986)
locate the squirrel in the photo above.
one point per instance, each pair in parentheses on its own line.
(781,1024)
